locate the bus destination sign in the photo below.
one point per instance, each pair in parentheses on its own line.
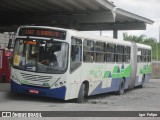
(40,32)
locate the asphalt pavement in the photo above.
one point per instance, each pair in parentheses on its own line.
(138,99)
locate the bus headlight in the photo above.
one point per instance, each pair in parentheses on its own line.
(46,85)
(61,83)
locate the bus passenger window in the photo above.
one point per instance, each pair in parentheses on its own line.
(149,56)
(139,55)
(127,54)
(111,53)
(120,53)
(143,55)
(76,54)
(100,52)
(88,51)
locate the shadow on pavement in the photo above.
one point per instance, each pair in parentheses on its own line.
(31,98)
(4,87)
(104,95)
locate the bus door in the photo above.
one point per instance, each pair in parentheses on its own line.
(133,65)
(76,54)
(75,65)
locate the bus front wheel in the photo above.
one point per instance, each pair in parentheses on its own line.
(81,94)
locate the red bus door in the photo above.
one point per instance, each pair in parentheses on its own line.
(4,67)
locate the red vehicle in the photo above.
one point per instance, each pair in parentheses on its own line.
(5,70)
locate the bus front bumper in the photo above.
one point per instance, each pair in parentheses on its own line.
(58,93)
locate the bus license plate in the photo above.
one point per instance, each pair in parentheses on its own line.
(34,91)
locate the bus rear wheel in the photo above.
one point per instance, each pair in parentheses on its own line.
(81,94)
(121,88)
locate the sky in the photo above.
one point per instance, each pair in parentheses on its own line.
(146,8)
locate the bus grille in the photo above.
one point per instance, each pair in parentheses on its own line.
(38,78)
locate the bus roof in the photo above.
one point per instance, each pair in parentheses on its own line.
(99,38)
(143,46)
(47,27)
(91,37)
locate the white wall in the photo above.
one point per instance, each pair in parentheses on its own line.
(4,38)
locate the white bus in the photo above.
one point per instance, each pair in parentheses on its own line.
(67,64)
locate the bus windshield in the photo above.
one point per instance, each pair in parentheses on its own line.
(40,56)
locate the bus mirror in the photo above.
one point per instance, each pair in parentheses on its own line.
(9,43)
(8,52)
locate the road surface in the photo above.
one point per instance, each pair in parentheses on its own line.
(139,99)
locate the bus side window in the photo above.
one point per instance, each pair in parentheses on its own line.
(127,54)
(146,55)
(88,51)
(120,53)
(149,56)
(139,55)
(76,54)
(100,52)
(111,53)
(143,55)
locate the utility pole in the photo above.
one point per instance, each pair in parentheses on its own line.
(157,47)
(158,43)
(159,39)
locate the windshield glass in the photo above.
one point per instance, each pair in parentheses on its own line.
(40,56)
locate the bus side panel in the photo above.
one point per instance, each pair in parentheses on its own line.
(138,75)
(93,73)
(73,83)
(127,79)
(119,72)
(143,69)
(99,88)
(105,78)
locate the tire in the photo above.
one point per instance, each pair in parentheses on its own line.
(143,82)
(81,94)
(121,88)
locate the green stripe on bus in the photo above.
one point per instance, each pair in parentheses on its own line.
(120,73)
(106,74)
(115,70)
(145,70)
